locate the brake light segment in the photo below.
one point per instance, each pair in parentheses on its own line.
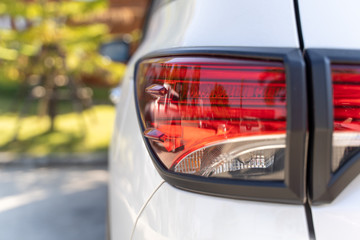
(215,117)
(346,101)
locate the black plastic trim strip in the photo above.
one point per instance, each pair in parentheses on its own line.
(292,189)
(325,185)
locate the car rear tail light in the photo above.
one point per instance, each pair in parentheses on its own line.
(226,121)
(215,117)
(346,103)
(335,139)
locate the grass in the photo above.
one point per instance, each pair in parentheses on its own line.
(74,133)
(87,132)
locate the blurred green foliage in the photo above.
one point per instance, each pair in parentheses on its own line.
(40,23)
(60,34)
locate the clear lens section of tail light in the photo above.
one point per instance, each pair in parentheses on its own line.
(215,117)
(346,101)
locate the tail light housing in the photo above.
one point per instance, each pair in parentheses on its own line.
(335,144)
(226,122)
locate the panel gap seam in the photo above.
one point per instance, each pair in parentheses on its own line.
(309,220)
(143,208)
(298,25)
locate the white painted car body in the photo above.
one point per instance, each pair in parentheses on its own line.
(331,24)
(142,205)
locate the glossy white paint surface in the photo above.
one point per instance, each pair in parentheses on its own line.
(255,23)
(334,24)
(175,214)
(184,23)
(341,218)
(132,175)
(330,23)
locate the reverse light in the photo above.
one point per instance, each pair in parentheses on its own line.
(215,117)
(346,102)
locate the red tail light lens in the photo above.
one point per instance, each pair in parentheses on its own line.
(346,101)
(215,117)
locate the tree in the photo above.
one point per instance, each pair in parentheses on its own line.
(45,43)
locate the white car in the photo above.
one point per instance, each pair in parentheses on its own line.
(240,119)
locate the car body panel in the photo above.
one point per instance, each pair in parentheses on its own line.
(175,214)
(185,23)
(242,23)
(132,176)
(330,23)
(341,218)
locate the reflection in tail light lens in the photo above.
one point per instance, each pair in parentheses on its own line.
(346,101)
(215,117)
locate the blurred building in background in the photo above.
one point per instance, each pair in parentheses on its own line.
(123,17)
(126,15)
